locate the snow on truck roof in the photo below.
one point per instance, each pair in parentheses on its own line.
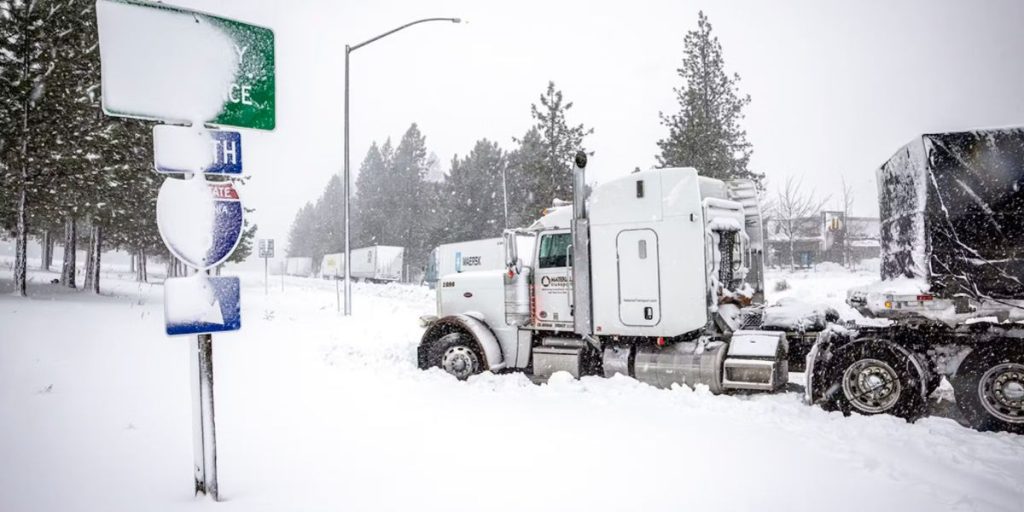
(559,216)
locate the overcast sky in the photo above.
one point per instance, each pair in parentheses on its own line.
(836,87)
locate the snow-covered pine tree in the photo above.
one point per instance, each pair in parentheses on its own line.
(302,232)
(330,220)
(525,163)
(409,225)
(706,132)
(32,34)
(551,177)
(369,208)
(473,194)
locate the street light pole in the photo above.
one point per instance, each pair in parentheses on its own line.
(348,193)
(504,195)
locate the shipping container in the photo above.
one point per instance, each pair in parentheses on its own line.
(952,213)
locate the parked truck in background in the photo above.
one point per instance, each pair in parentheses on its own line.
(658,277)
(376,264)
(332,266)
(299,266)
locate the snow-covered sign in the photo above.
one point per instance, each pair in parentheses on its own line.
(199,221)
(171,64)
(201,304)
(181,149)
(266,248)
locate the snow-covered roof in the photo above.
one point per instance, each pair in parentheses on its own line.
(556,217)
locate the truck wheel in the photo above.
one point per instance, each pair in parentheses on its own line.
(456,354)
(989,390)
(875,378)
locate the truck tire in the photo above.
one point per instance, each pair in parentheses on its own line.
(875,377)
(989,389)
(457,354)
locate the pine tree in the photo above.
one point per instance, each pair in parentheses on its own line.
(369,215)
(706,132)
(548,173)
(33,37)
(473,192)
(525,200)
(329,221)
(303,232)
(409,225)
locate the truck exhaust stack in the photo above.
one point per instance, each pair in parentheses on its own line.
(582,297)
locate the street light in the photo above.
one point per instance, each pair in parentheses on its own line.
(348,193)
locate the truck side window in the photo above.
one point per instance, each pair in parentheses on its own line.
(554,250)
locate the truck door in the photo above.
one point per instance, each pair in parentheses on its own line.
(552,282)
(639,286)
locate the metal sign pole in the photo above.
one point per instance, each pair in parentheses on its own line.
(204,427)
(266,275)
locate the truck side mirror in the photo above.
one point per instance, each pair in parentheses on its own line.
(511,251)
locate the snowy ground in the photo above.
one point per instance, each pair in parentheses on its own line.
(320,412)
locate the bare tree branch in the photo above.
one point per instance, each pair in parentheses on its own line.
(792,205)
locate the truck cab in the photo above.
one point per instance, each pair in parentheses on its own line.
(646,278)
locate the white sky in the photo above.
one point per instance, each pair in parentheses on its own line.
(837,87)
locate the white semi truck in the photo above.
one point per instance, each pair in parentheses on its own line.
(658,277)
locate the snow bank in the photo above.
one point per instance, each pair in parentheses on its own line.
(316,411)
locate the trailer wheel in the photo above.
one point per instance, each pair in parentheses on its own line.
(456,354)
(874,377)
(989,390)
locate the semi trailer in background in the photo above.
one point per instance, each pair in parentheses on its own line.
(658,276)
(332,266)
(299,266)
(378,263)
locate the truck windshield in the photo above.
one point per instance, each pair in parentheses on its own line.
(554,250)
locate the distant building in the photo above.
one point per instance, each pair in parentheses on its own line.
(824,237)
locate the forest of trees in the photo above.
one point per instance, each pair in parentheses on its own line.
(395,204)
(70,175)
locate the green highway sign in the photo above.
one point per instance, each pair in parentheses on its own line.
(166,63)
(250,98)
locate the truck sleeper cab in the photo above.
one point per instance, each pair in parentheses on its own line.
(633,283)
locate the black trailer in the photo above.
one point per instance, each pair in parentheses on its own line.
(952,270)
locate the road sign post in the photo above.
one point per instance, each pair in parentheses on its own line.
(266,246)
(165,63)
(204,427)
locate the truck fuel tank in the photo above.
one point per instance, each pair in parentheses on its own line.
(751,360)
(688,362)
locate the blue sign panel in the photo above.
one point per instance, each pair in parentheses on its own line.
(227,153)
(181,149)
(202,304)
(227,224)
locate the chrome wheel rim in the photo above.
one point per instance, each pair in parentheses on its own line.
(460,361)
(871,386)
(1001,389)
